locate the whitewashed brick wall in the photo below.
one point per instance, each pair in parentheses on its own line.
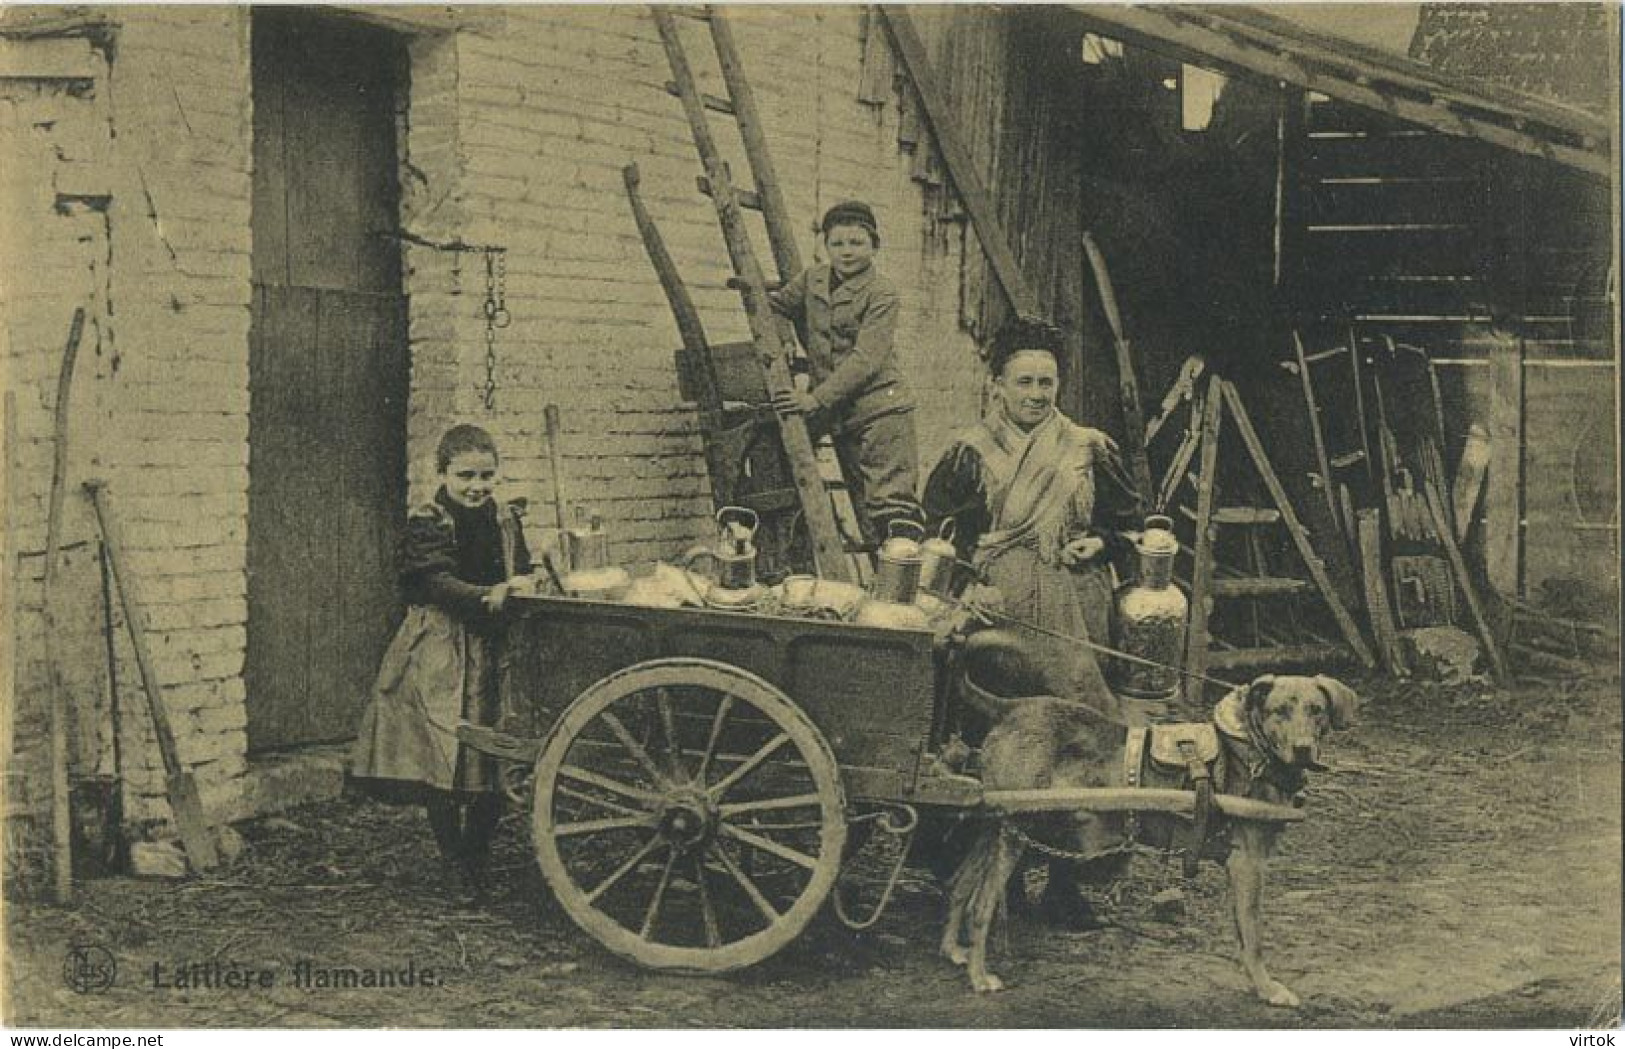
(129,193)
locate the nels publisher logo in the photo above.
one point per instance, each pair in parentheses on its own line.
(89,968)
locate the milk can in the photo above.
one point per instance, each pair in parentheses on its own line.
(897,580)
(590,573)
(734,556)
(1151,615)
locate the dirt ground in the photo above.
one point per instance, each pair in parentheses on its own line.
(1460,869)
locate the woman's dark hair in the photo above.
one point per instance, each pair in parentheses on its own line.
(460,440)
(1022,335)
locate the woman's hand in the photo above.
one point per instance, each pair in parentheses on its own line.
(497,596)
(1083,549)
(795,402)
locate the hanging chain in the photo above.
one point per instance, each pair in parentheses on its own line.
(496,316)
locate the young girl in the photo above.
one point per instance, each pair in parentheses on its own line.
(845,313)
(461,552)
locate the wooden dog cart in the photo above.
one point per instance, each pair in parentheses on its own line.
(694,775)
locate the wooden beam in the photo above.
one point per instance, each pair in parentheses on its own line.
(1201,607)
(1376,595)
(1503,509)
(1173,32)
(1481,623)
(961,167)
(1134,799)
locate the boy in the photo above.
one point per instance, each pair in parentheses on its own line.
(845,315)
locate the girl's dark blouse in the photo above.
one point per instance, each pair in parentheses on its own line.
(452,554)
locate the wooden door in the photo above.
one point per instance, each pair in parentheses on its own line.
(328,376)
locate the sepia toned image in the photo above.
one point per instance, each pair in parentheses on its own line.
(1064,516)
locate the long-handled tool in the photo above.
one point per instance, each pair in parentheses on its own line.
(1128,389)
(196,837)
(550,416)
(61,817)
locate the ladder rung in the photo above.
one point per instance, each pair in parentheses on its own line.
(711,102)
(740,284)
(1347,459)
(1257,586)
(1285,655)
(1325,355)
(1238,515)
(1246,515)
(746,198)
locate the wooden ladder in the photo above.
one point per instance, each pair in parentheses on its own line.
(771,336)
(1213,399)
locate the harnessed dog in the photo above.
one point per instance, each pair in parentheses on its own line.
(1260,744)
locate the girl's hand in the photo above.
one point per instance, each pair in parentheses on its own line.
(497,596)
(1082,549)
(794,402)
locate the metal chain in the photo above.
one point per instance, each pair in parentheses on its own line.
(496,316)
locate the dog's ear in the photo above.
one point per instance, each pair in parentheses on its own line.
(1259,690)
(1345,704)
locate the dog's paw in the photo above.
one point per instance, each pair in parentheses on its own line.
(1278,994)
(957,953)
(987,983)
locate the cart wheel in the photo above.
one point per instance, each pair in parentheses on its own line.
(688,815)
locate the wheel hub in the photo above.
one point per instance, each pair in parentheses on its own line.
(687,819)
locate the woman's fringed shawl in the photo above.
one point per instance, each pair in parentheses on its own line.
(1040,484)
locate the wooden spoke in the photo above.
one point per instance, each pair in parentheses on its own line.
(749,765)
(735,808)
(625,790)
(708,913)
(653,912)
(749,886)
(668,722)
(613,806)
(619,760)
(624,869)
(636,749)
(565,830)
(723,707)
(783,852)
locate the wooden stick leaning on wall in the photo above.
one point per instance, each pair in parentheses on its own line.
(196,837)
(61,817)
(1441,524)
(1128,387)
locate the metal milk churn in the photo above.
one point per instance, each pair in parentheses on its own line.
(734,584)
(897,580)
(591,575)
(938,558)
(1151,616)
(587,544)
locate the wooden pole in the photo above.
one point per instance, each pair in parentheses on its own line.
(1201,605)
(780,230)
(966,178)
(1481,625)
(13,568)
(1503,497)
(1128,388)
(1376,595)
(61,817)
(1134,799)
(196,837)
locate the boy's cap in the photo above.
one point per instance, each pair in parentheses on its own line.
(850,213)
